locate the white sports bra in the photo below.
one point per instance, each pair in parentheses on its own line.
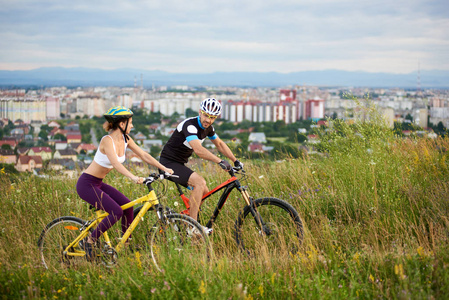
(103,160)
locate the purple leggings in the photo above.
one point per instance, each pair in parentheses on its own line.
(103,196)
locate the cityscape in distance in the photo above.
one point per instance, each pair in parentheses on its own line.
(35,104)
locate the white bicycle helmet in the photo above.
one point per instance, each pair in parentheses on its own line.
(211,106)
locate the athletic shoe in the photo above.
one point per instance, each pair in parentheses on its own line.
(194,231)
(89,248)
(207,230)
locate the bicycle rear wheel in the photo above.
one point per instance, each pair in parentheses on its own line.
(178,241)
(55,237)
(281,234)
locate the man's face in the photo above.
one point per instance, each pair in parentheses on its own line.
(206,119)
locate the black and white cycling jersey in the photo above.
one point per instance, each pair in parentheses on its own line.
(178,148)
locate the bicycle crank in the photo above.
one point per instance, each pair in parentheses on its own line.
(109,257)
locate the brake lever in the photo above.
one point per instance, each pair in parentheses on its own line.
(237,170)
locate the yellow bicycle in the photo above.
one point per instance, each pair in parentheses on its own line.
(172,239)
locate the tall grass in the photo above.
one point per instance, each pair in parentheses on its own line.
(375,210)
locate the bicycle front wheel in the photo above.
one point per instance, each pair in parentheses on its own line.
(178,241)
(275,230)
(55,237)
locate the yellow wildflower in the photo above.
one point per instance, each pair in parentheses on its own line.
(421,251)
(399,270)
(139,262)
(356,258)
(202,288)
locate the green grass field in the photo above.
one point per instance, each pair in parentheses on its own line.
(375,210)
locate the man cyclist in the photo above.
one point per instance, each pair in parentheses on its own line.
(187,139)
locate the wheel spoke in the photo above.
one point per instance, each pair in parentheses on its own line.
(282,230)
(54,240)
(179,242)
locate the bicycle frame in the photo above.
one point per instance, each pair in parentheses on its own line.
(151,201)
(228,185)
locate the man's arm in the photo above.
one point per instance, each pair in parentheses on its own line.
(203,152)
(224,149)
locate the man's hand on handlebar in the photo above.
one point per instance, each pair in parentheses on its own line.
(238,165)
(225,165)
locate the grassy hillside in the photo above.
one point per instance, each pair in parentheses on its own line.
(375,209)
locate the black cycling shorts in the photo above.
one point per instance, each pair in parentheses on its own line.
(178,169)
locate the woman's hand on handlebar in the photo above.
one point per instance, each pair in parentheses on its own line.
(168,170)
(138,180)
(153,177)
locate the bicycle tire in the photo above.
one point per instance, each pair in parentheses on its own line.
(282,235)
(170,246)
(55,237)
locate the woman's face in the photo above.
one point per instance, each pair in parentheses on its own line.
(130,125)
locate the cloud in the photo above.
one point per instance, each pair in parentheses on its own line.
(207,36)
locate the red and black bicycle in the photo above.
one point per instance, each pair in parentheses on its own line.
(268,225)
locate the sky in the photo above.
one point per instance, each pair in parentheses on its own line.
(205,36)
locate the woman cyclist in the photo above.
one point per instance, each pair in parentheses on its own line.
(110,155)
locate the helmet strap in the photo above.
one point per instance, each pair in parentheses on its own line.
(124,131)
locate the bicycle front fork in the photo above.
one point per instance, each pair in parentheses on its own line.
(252,208)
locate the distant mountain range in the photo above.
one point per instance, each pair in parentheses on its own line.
(127,77)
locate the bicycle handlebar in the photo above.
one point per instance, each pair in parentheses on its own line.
(154,177)
(235,170)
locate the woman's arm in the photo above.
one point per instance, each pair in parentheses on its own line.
(108,149)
